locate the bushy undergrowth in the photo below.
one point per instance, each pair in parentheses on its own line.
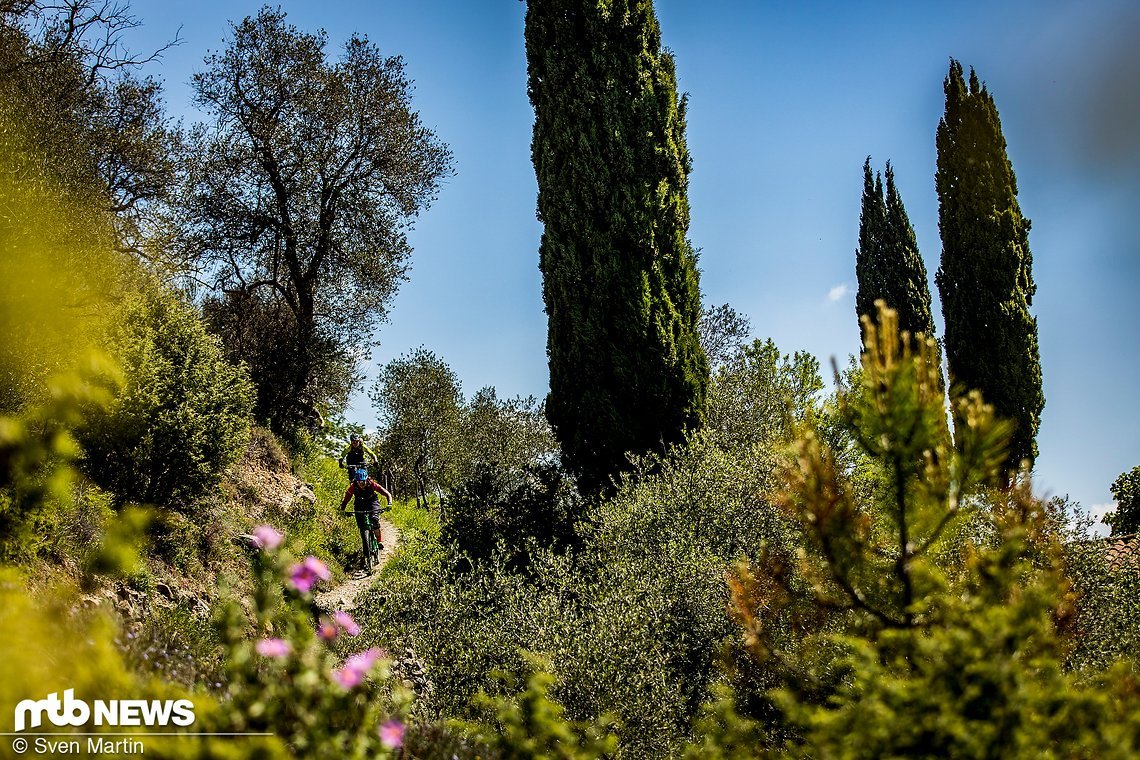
(182,415)
(515,509)
(631,623)
(929,653)
(895,602)
(285,685)
(1105,628)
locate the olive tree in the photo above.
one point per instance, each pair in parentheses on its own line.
(99,124)
(418,400)
(299,193)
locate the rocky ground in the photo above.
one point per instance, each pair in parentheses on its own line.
(344,596)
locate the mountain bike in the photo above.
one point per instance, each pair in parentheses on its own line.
(370,547)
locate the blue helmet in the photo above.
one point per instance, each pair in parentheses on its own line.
(360,475)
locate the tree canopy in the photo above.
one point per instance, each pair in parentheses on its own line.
(1126,491)
(620,283)
(299,193)
(419,402)
(985,278)
(101,127)
(887,262)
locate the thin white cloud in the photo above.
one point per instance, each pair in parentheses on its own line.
(1097,513)
(839,291)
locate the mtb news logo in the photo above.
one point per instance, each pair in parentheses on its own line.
(69,711)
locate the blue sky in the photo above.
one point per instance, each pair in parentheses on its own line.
(786,101)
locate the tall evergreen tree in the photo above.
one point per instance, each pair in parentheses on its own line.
(887,262)
(870,269)
(620,283)
(985,279)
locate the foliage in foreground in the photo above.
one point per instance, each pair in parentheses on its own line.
(286,681)
(941,643)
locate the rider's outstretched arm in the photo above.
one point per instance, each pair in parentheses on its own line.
(347,496)
(383,490)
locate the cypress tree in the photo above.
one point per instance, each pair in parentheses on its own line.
(870,269)
(887,262)
(620,283)
(985,279)
(910,281)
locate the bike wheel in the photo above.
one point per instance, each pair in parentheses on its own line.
(366,539)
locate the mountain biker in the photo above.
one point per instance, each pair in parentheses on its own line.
(356,455)
(366,492)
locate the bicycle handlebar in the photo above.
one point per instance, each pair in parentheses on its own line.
(344,465)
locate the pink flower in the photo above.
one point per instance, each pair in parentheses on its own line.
(392,733)
(273,648)
(305,575)
(345,621)
(363,661)
(347,677)
(356,667)
(326,630)
(267,537)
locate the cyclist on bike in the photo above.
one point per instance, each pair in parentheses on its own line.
(366,492)
(356,455)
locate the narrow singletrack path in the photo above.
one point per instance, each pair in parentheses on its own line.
(344,596)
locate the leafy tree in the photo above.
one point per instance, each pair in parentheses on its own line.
(887,263)
(418,400)
(511,510)
(872,230)
(723,331)
(986,275)
(508,435)
(298,197)
(259,331)
(620,283)
(1126,491)
(507,487)
(759,396)
(101,128)
(182,415)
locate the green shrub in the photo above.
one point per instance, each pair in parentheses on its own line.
(534,504)
(632,618)
(631,622)
(182,415)
(532,725)
(175,645)
(927,653)
(1105,626)
(284,681)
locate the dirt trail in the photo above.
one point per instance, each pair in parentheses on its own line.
(344,596)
